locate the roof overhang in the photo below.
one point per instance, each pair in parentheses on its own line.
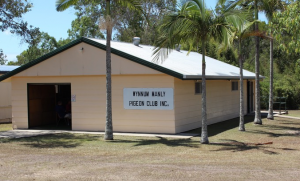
(3,72)
(199,77)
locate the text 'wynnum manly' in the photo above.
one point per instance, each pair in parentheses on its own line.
(147,93)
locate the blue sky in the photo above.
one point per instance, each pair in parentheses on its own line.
(44,16)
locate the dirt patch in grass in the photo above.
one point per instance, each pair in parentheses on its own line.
(231,155)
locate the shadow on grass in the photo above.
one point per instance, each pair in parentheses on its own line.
(220,127)
(278,130)
(290,123)
(272,134)
(282,127)
(64,140)
(72,141)
(237,146)
(164,141)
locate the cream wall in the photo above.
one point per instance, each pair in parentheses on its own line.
(89,61)
(88,112)
(5,102)
(85,71)
(150,121)
(222,103)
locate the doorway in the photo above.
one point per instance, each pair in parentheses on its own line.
(42,101)
(250,95)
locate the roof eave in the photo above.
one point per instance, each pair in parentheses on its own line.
(213,77)
(4,72)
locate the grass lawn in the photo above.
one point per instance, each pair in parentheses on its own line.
(231,155)
(295,113)
(5,127)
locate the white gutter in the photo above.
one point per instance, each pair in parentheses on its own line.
(213,77)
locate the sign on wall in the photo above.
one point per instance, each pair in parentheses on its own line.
(73,98)
(148,98)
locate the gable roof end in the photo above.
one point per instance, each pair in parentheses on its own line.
(95,44)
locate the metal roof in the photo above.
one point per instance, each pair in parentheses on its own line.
(178,64)
(7,68)
(189,65)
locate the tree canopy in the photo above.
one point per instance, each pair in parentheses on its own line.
(3,59)
(11,12)
(87,20)
(44,43)
(285,25)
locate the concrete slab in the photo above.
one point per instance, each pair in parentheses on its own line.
(29,133)
(26,133)
(282,115)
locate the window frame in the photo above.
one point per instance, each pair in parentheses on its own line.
(199,83)
(234,87)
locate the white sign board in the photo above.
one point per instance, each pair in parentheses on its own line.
(73,98)
(148,98)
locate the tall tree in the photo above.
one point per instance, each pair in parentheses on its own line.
(11,12)
(61,5)
(241,31)
(195,25)
(129,23)
(285,26)
(257,119)
(144,23)
(269,7)
(3,59)
(43,43)
(86,23)
(253,4)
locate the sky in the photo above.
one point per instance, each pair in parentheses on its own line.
(44,16)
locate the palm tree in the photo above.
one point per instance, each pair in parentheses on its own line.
(257,118)
(192,24)
(239,29)
(254,4)
(62,5)
(269,7)
(241,32)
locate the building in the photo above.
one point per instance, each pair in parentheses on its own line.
(5,97)
(146,96)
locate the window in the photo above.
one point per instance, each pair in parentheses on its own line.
(198,87)
(234,86)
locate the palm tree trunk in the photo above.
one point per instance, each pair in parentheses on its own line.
(108,125)
(257,119)
(204,133)
(270,113)
(242,124)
